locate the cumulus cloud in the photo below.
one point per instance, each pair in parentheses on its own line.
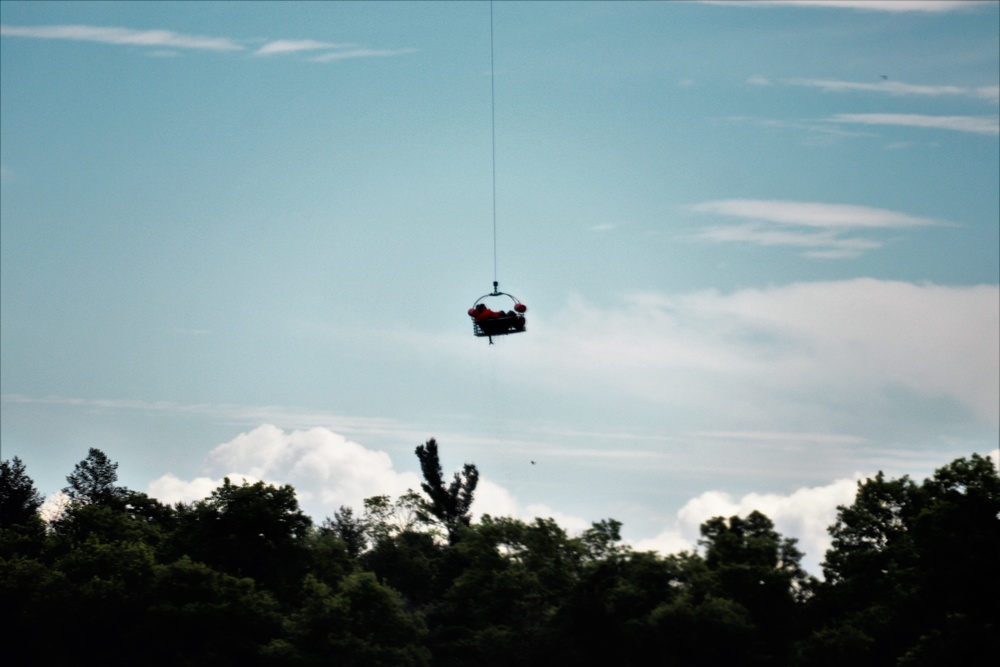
(819,229)
(804,514)
(828,348)
(171,489)
(327,471)
(973,124)
(109,35)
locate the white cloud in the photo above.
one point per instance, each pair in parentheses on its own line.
(171,489)
(988,93)
(758,80)
(895,88)
(973,124)
(821,350)
(360,53)
(164,40)
(832,246)
(895,6)
(328,471)
(804,514)
(811,214)
(773,436)
(54,506)
(774,223)
(108,35)
(296,45)
(326,468)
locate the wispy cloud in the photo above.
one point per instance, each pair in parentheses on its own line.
(820,245)
(164,40)
(898,88)
(606,227)
(297,45)
(821,229)
(126,36)
(973,124)
(812,214)
(773,436)
(360,53)
(895,6)
(240,415)
(988,93)
(814,128)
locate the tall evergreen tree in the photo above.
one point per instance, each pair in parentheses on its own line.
(93,480)
(450,505)
(19,500)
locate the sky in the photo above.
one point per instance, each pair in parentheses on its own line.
(759,244)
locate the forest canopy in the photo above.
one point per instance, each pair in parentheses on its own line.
(244,576)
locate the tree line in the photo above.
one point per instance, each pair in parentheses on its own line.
(245,577)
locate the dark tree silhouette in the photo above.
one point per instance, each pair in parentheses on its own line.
(93,480)
(249,530)
(348,528)
(449,505)
(911,576)
(19,500)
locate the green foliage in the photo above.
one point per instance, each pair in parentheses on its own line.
(912,573)
(510,578)
(93,480)
(248,530)
(385,519)
(410,562)
(348,529)
(603,540)
(19,500)
(123,522)
(21,528)
(607,616)
(450,505)
(358,623)
(242,577)
(200,616)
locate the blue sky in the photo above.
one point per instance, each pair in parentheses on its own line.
(759,244)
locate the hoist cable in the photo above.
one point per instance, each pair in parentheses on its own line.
(493,128)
